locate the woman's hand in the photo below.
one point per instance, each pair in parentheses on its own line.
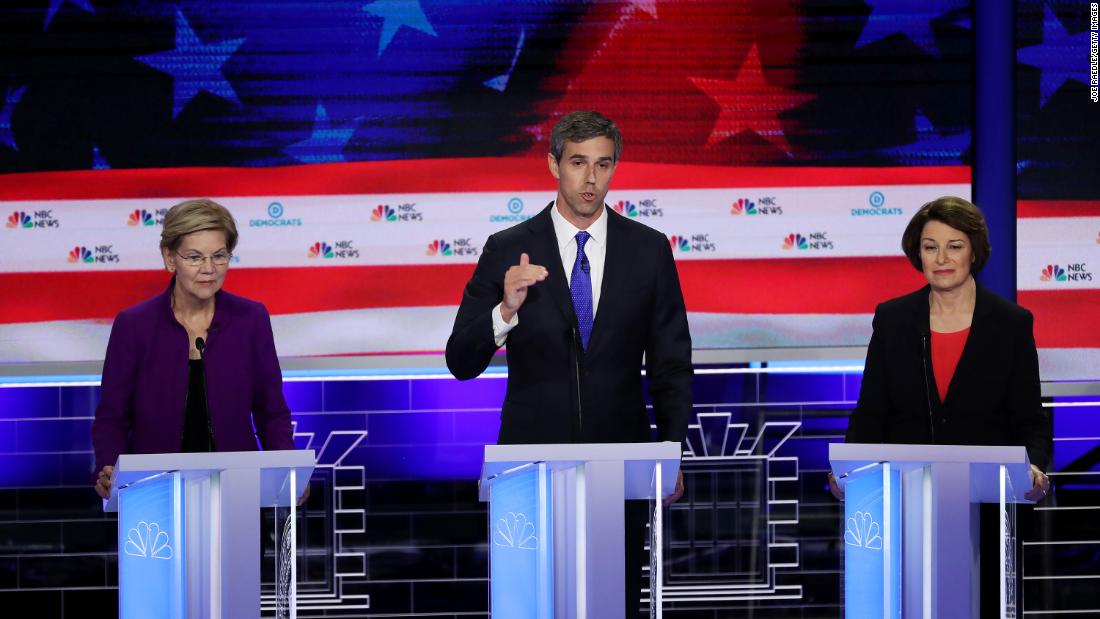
(1040,484)
(835,488)
(103,482)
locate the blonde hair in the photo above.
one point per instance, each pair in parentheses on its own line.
(195,215)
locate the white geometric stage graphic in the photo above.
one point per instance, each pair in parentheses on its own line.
(346,591)
(731,541)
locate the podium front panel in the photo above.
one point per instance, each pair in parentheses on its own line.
(520,558)
(151,549)
(872,543)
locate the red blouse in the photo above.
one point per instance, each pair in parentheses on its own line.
(947,348)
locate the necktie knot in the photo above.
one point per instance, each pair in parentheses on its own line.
(582,238)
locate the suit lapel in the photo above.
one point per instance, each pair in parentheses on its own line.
(546,242)
(980,328)
(615,259)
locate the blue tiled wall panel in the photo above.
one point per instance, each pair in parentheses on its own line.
(79,401)
(54,435)
(449,394)
(360,395)
(29,402)
(303,396)
(802,387)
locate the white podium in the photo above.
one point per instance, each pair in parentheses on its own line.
(911,526)
(189,530)
(556,524)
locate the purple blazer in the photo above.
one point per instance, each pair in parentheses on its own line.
(141,405)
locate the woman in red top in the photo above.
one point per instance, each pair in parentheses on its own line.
(952,363)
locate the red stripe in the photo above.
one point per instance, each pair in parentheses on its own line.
(1064,318)
(795,286)
(434,176)
(1058,208)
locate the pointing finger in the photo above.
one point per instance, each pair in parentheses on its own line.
(524,259)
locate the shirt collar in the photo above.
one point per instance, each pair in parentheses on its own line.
(565,231)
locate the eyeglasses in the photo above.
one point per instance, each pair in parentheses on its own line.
(196,260)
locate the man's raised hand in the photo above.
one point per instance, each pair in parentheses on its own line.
(516,281)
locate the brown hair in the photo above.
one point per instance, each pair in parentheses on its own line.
(195,215)
(957,213)
(583,126)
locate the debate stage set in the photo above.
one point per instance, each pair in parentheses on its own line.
(368,149)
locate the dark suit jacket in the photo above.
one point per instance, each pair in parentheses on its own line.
(993,398)
(145,372)
(641,311)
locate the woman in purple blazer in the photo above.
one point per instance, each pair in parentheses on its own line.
(193,368)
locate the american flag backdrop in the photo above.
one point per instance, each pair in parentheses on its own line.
(1058,231)
(368,148)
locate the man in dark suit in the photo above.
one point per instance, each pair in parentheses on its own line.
(580,294)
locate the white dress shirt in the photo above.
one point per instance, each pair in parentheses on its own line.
(566,233)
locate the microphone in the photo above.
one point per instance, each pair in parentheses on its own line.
(201,345)
(585,266)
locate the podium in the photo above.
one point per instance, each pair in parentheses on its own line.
(189,534)
(911,526)
(556,524)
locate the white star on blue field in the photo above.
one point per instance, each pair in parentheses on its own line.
(326,144)
(194,66)
(395,14)
(1050,56)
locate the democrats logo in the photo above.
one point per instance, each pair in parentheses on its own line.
(454,247)
(338,250)
(761,206)
(515,213)
(36,219)
(100,254)
(877,201)
(275,219)
(641,208)
(692,243)
(813,241)
(140,217)
(401,212)
(1076,272)
(19,219)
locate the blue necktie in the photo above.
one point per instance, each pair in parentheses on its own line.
(580,289)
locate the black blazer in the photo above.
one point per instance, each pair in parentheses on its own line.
(993,398)
(558,393)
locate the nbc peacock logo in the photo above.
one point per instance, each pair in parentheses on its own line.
(383,212)
(19,219)
(1053,272)
(625,207)
(439,247)
(320,249)
(140,217)
(795,241)
(743,206)
(679,243)
(81,254)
